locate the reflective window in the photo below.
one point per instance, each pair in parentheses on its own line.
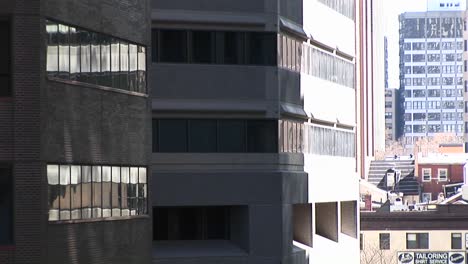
(203,47)
(417,240)
(84,192)
(5,54)
(329,141)
(90,57)
(210,135)
(6,206)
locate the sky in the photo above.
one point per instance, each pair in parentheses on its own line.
(392,8)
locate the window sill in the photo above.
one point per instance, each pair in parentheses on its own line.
(95,86)
(196,248)
(117,218)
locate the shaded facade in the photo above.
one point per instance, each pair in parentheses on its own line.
(74,116)
(247,127)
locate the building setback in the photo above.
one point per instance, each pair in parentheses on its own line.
(431,73)
(248,131)
(74,127)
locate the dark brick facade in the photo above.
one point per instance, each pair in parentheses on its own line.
(46,121)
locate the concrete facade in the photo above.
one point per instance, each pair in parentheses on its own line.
(47,121)
(276,201)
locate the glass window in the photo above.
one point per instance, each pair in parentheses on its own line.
(105,78)
(124,200)
(142,191)
(115,62)
(203,47)
(172,135)
(133,191)
(87,195)
(173,45)
(141,86)
(65,190)
(262,136)
(442,173)
(231,136)
(202,136)
(456,240)
(384,241)
(417,240)
(124,65)
(95,58)
(116,191)
(64,51)
(74,53)
(54,192)
(133,67)
(233,47)
(75,188)
(6,205)
(97,192)
(262,47)
(52,48)
(106,191)
(85,53)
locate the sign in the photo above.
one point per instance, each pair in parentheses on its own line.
(431,257)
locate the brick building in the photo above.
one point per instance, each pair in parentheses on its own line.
(74,127)
(436,172)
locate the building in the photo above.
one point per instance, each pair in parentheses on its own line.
(74,126)
(440,174)
(248,130)
(431,73)
(439,234)
(391,114)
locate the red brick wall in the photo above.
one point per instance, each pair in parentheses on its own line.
(454,174)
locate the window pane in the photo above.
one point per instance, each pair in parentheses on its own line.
(173,45)
(231,136)
(106,191)
(6,206)
(203,47)
(132,79)
(116,191)
(154,45)
(233,47)
(95,57)
(424,240)
(456,241)
(85,53)
(54,192)
(142,191)
(52,48)
(124,65)
(97,192)
(105,78)
(86,182)
(262,136)
(64,52)
(133,190)
(74,54)
(115,62)
(125,174)
(141,70)
(202,136)
(172,135)
(75,192)
(65,190)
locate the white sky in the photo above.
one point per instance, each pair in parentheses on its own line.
(392,8)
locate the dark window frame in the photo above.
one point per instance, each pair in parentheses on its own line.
(420,244)
(10,239)
(456,242)
(8,74)
(384,241)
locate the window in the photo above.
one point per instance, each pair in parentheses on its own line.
(384,241)
(329,141)
(84,191)
(192,223)
(348,214)
(456,240)
(361,241)
(442,174)
(344,7)
(211,135)
(5,59)
(326,220)
(302,223)
(426,173)
(417,240)
(89,57)
(6,206)
(214,47)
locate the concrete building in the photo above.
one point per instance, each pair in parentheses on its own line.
(248,130)
(431,72)
(391,114)
(74,126)
(440,235)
